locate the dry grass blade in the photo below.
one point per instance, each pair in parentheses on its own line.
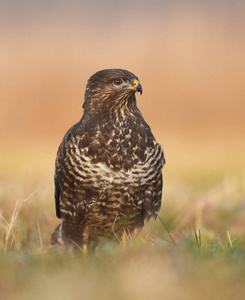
(40,235)
(18,207)
(5,225)
(220,242)
(229,238)
(78,247)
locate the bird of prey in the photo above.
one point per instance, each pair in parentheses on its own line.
(108,172)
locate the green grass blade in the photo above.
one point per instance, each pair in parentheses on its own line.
(166,228)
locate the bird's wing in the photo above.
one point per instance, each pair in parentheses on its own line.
(59,166)
(57,196)
(157,182)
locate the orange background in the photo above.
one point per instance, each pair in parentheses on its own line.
(188,56)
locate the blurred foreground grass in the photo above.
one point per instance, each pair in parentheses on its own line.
(204,214)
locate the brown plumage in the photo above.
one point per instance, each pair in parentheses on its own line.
(108,176)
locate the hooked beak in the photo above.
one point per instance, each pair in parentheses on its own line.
(136,87)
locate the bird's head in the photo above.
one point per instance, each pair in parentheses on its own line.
(111,89)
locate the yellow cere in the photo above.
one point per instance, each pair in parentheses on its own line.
(135,82)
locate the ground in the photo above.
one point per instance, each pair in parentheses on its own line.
(195,250)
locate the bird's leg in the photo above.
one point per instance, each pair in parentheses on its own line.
(85,249)
(85,238)
(123,238)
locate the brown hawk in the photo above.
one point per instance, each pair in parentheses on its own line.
(108,176)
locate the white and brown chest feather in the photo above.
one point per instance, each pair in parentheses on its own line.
(115,164)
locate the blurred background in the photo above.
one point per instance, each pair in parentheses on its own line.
(188,55)
(190,59)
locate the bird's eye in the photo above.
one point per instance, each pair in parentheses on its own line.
(118,81)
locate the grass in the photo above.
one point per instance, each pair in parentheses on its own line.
(194,250)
